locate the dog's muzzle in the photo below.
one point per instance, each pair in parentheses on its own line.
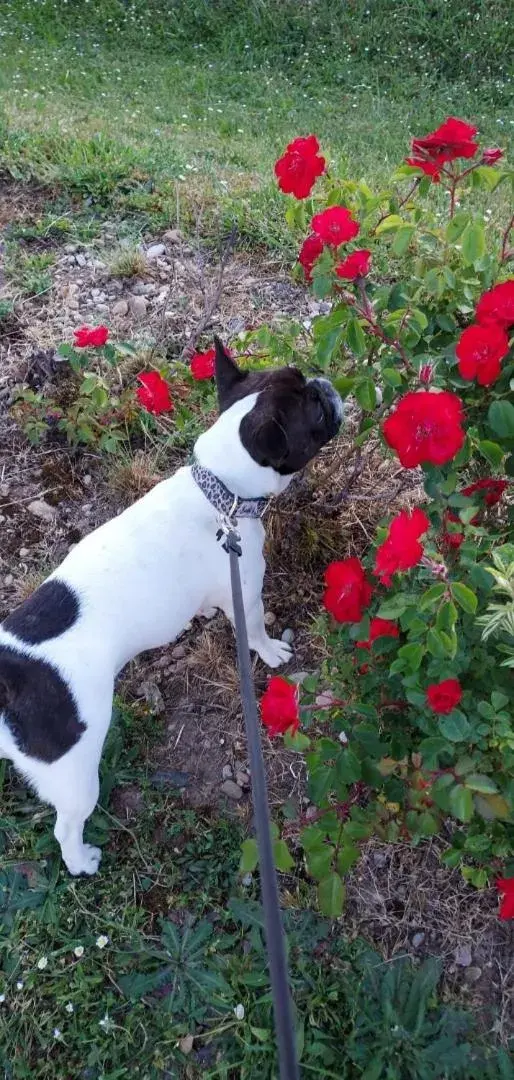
(332,403)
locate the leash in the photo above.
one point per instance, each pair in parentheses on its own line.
(274,930)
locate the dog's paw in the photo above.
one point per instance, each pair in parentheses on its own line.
(274,652)
(85,861)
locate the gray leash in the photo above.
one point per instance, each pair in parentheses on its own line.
(274,930)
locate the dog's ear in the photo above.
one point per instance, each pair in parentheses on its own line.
(265,438)
(228,375)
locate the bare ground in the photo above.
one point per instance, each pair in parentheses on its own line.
(401,898)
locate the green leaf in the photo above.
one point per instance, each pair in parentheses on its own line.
(392,377)
(473,242)
(499,700)
(390,223)
(347,857)
(412,654)
(344,384)
(319,862)
(249,856)
(348,767)
(482,784)
(355,338)
(312,837)
(439,644)
(461,803)
(464,597)
(296,741)
(491,452)
(456,226)
(455,727)
(331,895)
(501,418)
(366,395)
(431,750)
(394,607)
(282,856)
(431,596)
(402,239)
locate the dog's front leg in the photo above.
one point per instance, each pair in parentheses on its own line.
(270,650)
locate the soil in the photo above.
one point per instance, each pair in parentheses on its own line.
(402,899)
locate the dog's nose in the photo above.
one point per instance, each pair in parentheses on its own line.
(331,396)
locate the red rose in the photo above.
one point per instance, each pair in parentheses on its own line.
(202,364)
(443,697)
(427,167)
(355,265)
(347,591)
(425,427)
(154,394)
(299,167)
(310,251)
(279,707)
(335,226)
(425,374)
(401,549)
(451,539)
(452,139)
(506,886)
(379,628)
(480,350)
(492,155)
(493,489)
(87,336)
(497,305)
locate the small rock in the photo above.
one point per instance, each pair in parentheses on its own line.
(243,779)
(298,677)
(24,552)
(87,480)
(73,289)
(269,618)
(143,288)
(463,956)
(151,693)
(120,308)
(247,880)
(102,307)
(98,264)
(42,510)
(418,939)
(155,252)
(170,778)
(185,1044)
(138,306)
(473,974)
(70,249)
(80,260)
(173,236)
(178,653)
(73,304)
(288,636)
(4,490)
(226,772)
(231,790)
(8,579)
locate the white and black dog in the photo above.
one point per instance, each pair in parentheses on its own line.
(135,582)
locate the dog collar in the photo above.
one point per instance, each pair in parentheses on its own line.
(222,499)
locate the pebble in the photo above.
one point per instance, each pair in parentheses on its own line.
(226,772)
(73,304)
(178,653)
(418,939)
(73,289)
(24,552)
(173,236)
(120,308)
(288,636)
(87,480)
(70,249)
(138,306)
(8,579)
(242,779)
(155,252)
(80,260)
(463,956)
(98,264)
(143,288)
(151,693)
(42,510)
(102,307)
(298,677)
(269,618)
(473,974)
(231,790)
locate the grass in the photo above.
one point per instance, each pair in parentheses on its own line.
(168,114)
(140,970)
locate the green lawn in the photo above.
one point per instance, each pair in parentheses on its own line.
(170,121)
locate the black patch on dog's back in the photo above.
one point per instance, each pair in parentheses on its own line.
(51,610)
(37,706)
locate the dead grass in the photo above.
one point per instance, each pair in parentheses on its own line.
(129,262)
(132,477)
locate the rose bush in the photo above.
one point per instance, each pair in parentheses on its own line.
(420,739)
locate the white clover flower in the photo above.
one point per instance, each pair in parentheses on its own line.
(239,1012)
(57,1033)
(2,999)
(19,985)
(102,941)
(79,950)
(42,963)
(70,1007)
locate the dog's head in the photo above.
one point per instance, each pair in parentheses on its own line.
(290,417)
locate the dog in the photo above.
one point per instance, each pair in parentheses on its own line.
(134,583)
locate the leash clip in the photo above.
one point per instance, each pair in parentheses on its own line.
(232,541)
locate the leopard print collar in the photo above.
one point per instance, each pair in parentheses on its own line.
(222,499)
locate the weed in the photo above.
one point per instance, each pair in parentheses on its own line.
(129,262)
(29,272)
